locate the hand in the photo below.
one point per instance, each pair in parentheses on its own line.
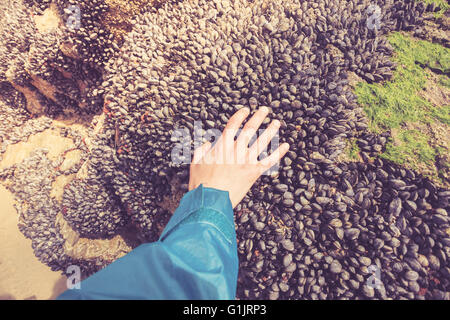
(232,165)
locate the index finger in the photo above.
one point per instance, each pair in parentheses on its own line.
(252,126)
(226,141)
(234,124)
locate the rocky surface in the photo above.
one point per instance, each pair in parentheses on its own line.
(319,228)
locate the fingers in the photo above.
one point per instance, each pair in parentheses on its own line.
(263,141)
(227,151)
(200,152)
(274,158)
(234,124)
(223,149)
(252,126)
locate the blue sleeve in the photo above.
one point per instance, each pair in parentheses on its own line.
(195,257)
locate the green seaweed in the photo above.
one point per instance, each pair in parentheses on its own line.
(442,114)
(352,150)
(442,4)
(444,81)
(390,104)
(395,103)
(410,145)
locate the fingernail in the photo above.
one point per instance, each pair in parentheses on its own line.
(264,109)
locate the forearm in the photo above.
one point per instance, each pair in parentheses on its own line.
(201,239)
(195,258)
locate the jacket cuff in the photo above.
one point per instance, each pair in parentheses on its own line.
(219,211)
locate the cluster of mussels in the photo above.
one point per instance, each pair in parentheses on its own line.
(31,183)
(92,209)
(55,54)
(319,227)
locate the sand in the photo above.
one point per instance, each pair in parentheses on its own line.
(22,276)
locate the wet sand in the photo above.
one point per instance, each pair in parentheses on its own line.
(22,276)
